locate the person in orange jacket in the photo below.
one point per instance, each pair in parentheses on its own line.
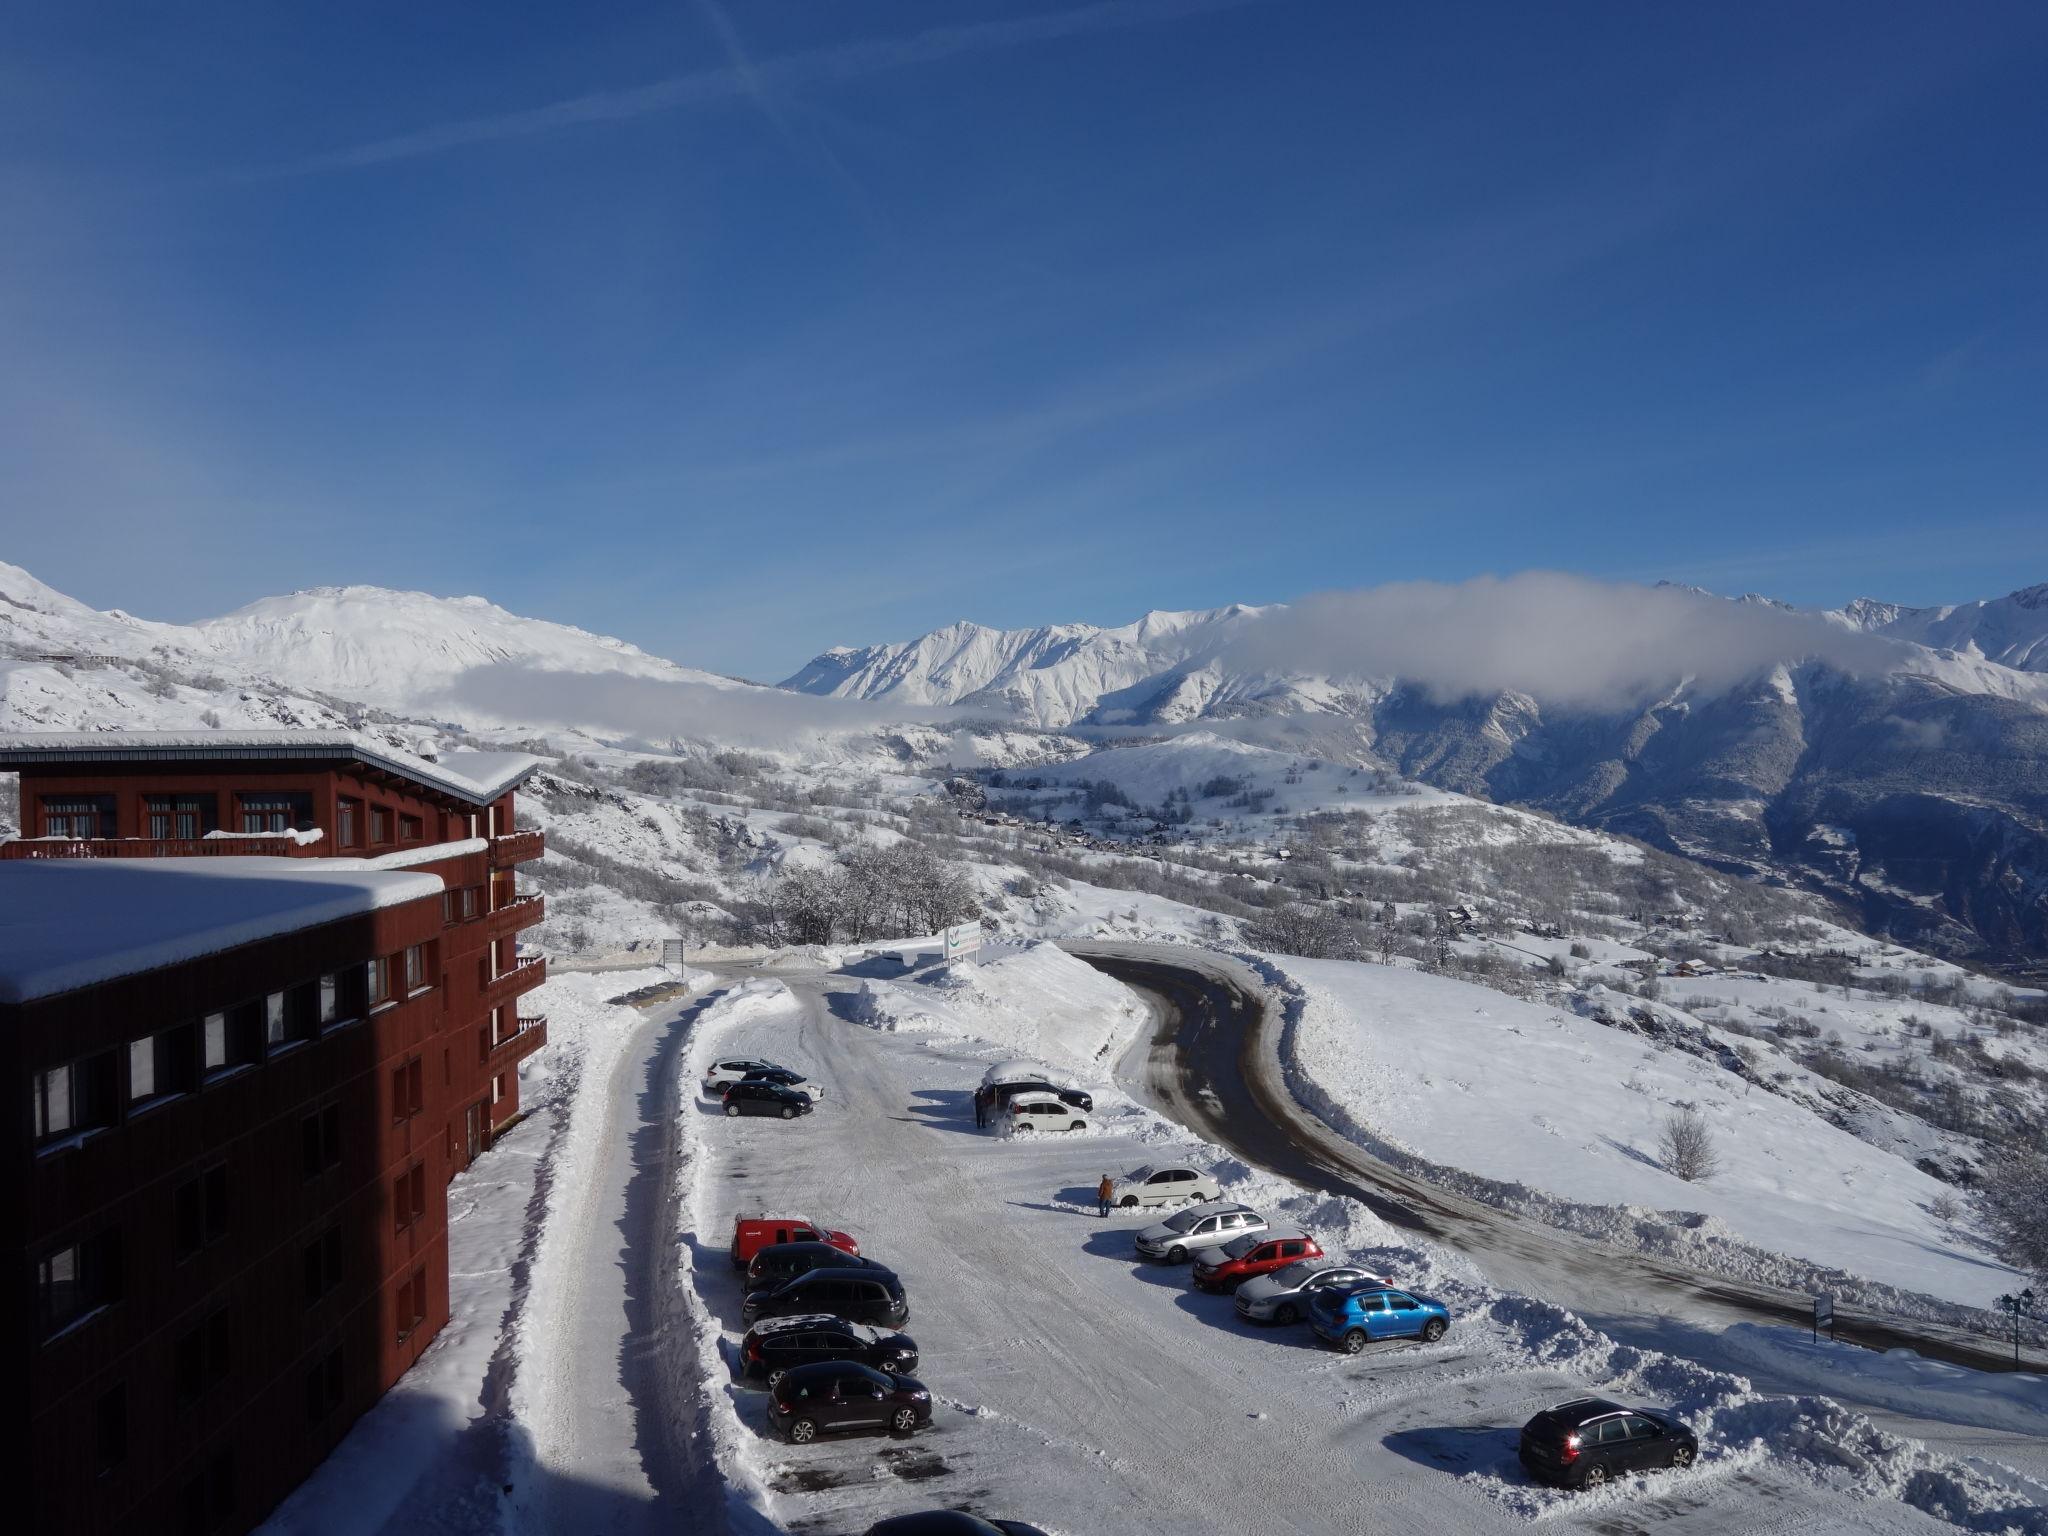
(1103,1191)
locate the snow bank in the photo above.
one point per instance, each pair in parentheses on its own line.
(1536,1110)
(1036,1001)
(1898,1379)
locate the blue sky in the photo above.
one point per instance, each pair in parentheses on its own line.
(744,329)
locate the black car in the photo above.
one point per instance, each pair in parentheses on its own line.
(751,1098)
(1590,1441)
(834,1395)
(778,1344)
(949,1522)
(779,1262)
(866,1295)
(995,1100)
(781,1077)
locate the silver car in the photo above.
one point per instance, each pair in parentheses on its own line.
(1162,1186)
(1196,1228)
(1282,1297)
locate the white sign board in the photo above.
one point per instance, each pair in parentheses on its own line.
(962,939)
(672,951)
(1823,1314)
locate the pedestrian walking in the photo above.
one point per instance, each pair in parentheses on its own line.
(1103,1192)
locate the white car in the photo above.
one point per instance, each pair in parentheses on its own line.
(723,1074)
(1186,1233)
(1162,1186)
(1283,1296)
(1030,1114)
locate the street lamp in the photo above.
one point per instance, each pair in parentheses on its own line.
(2019,1306)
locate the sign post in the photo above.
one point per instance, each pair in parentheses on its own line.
(674,952)
(1823,1317)
(962,939)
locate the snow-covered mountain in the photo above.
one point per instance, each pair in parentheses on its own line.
(2011,630)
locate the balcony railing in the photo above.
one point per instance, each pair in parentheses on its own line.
(516,848)
(522,978)
(517,1044)
(519,913)
(160,848)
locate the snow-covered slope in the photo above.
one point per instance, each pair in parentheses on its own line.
(2010,630)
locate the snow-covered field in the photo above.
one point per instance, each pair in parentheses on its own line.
(1541,1102)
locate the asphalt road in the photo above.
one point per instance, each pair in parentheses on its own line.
(1213,1066)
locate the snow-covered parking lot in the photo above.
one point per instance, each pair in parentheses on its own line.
(1086,1392)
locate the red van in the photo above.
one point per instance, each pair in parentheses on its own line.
(750,1234)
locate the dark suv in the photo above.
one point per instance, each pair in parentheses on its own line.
(821,1399)
(752,1098)
(869,1295)
(785,1261)
(778,1344)
(994,1100)
(1589,1441)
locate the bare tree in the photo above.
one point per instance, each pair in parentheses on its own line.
(2012,1197)
(1687,1142)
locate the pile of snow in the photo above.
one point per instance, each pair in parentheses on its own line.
(1036,1001)
(1538,1110)
(1898,1379)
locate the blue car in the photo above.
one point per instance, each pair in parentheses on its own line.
(1349,1318)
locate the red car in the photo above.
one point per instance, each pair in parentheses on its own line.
(750,1234)
(1256,1253)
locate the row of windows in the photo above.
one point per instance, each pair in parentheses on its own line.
(86,1095)
(182,815)
(351,823)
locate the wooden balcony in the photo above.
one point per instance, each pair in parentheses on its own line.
(516,915)
(161,848)
(520,1043)
(516,848)
(521,979)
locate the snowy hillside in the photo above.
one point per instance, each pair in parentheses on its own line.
(2011,630)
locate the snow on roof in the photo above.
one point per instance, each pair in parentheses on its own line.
(478,777)
(70,923)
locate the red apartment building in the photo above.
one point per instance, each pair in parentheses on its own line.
(259,1002)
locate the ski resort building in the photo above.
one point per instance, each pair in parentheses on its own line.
(259,1002)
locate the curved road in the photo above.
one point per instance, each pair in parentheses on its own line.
(1213,1065)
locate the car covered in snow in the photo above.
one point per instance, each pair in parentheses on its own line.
(785,1261)
(1196,1228)
(778,1344)
(753,1231)
(869,1294)
(1251,1255)
(836,1395)
(1164,1185)
(1355,1316)
(766,1099)
(1590,1441)
(732,1069)
(1282,1296)
(1038,1113)
(1013,1072)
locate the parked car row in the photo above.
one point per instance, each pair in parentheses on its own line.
(821,1324)
(747,1085)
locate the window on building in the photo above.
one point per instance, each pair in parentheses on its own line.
(110,1430)
(78,816)
(76,1280)
(410,828)
(498,1088)
(203,1357)
(232,1037)
(325,1387)
(200,1207)
(320,1141)
(409,1197)
(324,1262)
(380,824)
(161,1064)
(408,1090)
(412,1304)
(78,1096)
(179,816)
(274,812)
(276,1028)
(348,816)
(330,999)
(415,967)
(377,977)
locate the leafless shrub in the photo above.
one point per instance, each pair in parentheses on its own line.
(1687,1144)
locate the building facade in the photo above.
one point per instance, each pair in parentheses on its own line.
(271,1009)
